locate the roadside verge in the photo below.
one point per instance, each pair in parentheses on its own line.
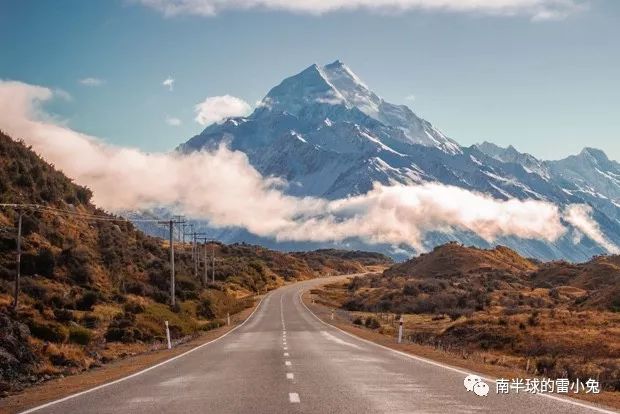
(603,401)
(51,392)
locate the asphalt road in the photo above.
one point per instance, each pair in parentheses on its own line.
(285,360)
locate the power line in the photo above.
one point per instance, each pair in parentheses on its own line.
(88,216)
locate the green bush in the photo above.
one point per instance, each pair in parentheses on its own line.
(358,321)
(51,332)
(79,335)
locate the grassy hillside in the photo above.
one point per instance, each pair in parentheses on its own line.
(558,318)
(95,290)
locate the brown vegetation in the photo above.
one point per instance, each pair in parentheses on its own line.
(556,319)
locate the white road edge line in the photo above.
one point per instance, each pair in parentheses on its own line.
(451,368)
(293,397)
(135,374)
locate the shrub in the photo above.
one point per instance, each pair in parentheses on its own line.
(48,331)
(205,309)
(212,325)
(78,262)
(90,321)
(410,290)
(136,288)
(63,315)
(45,262)
(358,321)
(122,329)
(87,301)
(79,335)
(372,323)
(133,307)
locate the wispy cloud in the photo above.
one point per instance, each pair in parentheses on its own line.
(410,98)
(535,9)
(169,83)
(172,121)
(91,81)
(396,214)
(218,108)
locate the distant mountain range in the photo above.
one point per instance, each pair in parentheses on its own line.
(330,136)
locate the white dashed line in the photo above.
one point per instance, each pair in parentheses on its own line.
(287,363)
(286,354)
(293,397)
(289,375)
(286,348)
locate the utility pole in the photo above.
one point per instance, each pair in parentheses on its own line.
(197,236)
(206,277)
(196,258)
(19,258)
(213,261)
(171,224)
(172,281)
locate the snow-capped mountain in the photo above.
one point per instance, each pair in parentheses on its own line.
(329,135)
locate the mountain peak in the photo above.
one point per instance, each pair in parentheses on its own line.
(595,153)
(336,92)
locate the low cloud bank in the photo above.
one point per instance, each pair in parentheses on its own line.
(222,187)
(536,9)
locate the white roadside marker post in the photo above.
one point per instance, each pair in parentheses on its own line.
(168,335)
(332,314)
(228,319)
(400,329)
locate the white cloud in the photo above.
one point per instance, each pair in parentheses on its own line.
(91,81)
(535,9)
(168,83)
(218,108)
(580,216)
(172,121)
(410,98)
(222,187)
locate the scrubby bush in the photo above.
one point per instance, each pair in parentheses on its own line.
(122,329)
(89,299)
(372,323)
(212,325)
(79,335)
(410,289)
(77,261)
(205,309)
(63,315)
(358,321)
(45,262)
(51,332)
(90,321)
(133,307)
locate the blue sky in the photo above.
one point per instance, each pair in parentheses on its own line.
(549,87)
